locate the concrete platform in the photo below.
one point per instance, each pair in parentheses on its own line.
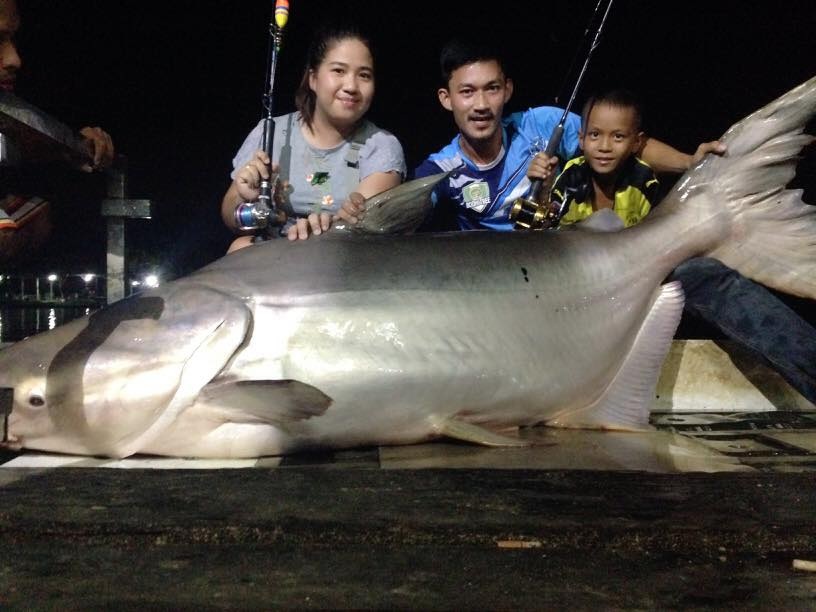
(316,538)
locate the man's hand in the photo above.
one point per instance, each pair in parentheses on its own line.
(715,147)
(314,224)
(100,147)
(352,210)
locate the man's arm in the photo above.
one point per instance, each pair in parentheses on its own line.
(664,158)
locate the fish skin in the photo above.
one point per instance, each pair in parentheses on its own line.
(406,338)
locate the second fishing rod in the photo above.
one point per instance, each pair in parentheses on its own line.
(536,211)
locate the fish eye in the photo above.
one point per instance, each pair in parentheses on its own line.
(36,401)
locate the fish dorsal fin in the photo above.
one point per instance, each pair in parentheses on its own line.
(627,400)
(399,210)
(263,401)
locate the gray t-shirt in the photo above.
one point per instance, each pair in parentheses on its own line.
(321,179)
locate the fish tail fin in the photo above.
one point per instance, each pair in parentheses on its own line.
(771,232)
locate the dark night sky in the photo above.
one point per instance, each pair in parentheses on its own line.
(178,83)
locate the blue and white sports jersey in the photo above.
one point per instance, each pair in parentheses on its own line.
(482,197)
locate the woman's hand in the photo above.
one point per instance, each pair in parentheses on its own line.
(352,209)
(248,179)
(313,224)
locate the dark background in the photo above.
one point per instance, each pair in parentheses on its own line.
(178,85)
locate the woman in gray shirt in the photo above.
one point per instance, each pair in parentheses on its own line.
(326,149)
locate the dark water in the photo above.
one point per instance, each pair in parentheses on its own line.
(17,322)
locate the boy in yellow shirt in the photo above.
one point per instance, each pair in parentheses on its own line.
(609,174)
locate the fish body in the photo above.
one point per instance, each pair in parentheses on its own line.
(362,339)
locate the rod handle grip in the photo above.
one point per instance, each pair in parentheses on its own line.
(537,185)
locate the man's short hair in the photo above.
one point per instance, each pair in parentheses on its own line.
(458,52)
(621,98)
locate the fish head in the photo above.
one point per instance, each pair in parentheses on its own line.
(109,384)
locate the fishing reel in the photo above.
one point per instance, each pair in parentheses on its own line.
(528,214)
(252,215)
(257,216)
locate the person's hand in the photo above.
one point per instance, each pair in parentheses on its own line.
(352,209)
(248,179)
(543,168)
(314,224)
(100,147)
(715,147)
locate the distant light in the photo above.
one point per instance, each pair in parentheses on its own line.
(52,277)
(151,280)
(88,277)
(2,278)
(135,283)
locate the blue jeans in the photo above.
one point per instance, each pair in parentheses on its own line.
(751,315)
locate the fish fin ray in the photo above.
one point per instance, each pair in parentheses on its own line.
(771,229)
(476,434)
(627,401)
(264,401)
(400,210)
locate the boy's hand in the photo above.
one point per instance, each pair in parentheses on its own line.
(715,147)
(542,167)
(352,210)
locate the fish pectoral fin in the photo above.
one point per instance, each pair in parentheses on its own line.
(627,400)
(263,401)
(400,210)
(468,432)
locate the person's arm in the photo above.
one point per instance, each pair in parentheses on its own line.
(100,148)
(664,158)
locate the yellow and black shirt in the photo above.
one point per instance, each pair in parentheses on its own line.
(635,191)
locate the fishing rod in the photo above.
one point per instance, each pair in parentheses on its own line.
(256,215)
(532,212)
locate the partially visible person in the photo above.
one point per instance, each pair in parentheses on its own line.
(610,175)
(325,150)
(494,158)
(25,221)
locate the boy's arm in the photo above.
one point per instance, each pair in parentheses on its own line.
(664,158)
